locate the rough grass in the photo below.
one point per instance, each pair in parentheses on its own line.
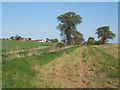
(34,48)
(12,45)
(24,53)
(106,68)
(76,67)
(20,73)
(75,70)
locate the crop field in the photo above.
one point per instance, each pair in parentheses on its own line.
(91,66)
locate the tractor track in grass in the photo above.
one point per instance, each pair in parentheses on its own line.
(21,72)
(23,50)
(22,53)
(75,67)
(110,49)
(61,73)
(30,52)
(104,68)
(79,69)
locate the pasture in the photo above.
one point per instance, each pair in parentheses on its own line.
(92,66)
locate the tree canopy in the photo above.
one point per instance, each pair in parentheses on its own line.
(104,34)
(91,41)
(77,37)
(16,37)
(67,24)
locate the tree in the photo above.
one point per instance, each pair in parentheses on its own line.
(54,40)
(68,23)
(18,37)
(77,37)
(105,34)
(47,40)
(60,45)
(29,38)
(98,42)
(91,38)
(91,41)
(12,37)
(51,40)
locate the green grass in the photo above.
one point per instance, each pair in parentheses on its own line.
(21,73)
(25,53)
(113,63)
(18,73)
(77,64)
(107,56)
(14,45)
(106,64)
(12,48)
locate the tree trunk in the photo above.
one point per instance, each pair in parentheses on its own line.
(68,36)
(103,40)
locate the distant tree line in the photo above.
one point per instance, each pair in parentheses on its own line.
(17,37)
(52,40)
(70,35)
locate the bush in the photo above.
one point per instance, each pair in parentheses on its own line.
(60,45)
(90,42)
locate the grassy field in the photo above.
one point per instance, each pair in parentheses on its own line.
(8,45)
(93,66)
(21,71)
(16,49)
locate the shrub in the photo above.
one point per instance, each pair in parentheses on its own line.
(90,41)
(60,45)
